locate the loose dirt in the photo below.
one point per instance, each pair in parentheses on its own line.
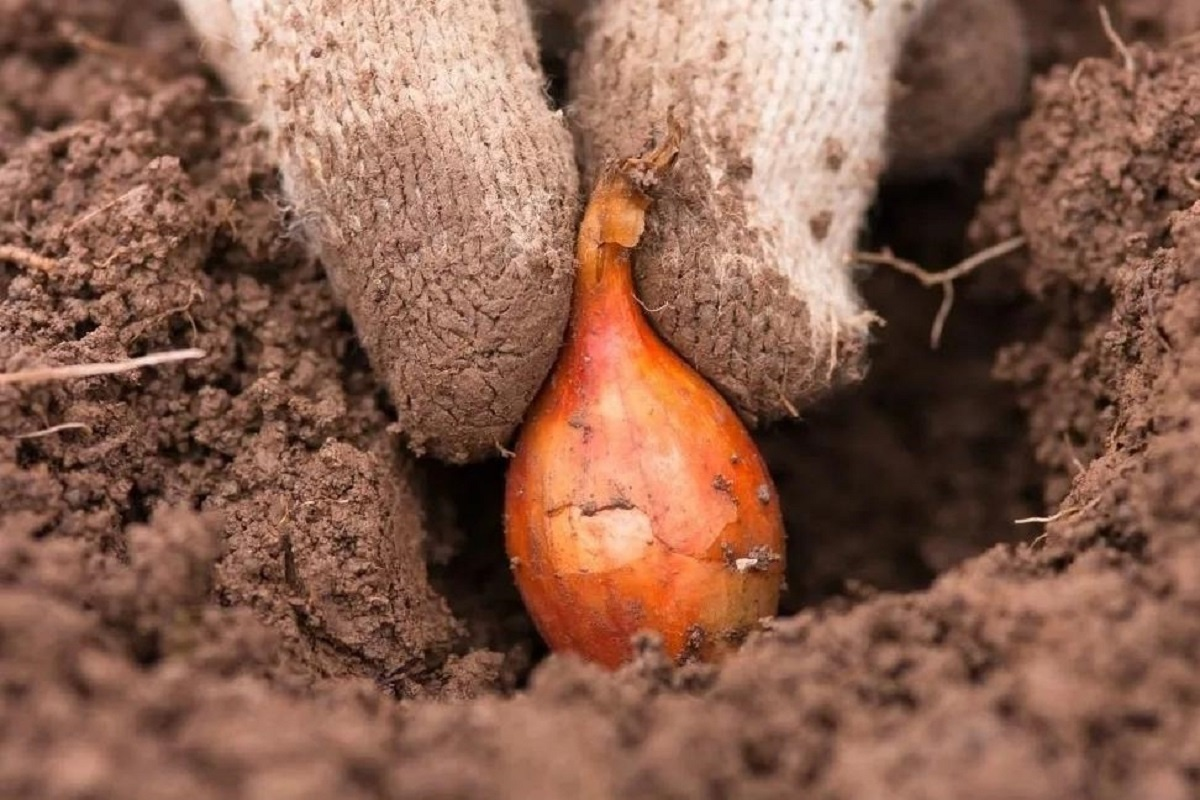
(225,578)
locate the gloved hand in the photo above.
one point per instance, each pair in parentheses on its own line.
(441,189)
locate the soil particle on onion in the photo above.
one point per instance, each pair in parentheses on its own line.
(723,485)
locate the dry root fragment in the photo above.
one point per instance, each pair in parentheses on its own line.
(53,429)
(140,63)
(1062,513)
(74,371)
(945,278)
(1117,42)
(23,257)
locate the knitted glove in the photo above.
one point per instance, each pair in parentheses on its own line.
(441,189)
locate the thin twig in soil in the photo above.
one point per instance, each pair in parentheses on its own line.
(1074,455)
(945,278)
(194,293)
(137,61)
(95,212)
(53,429)
(1052,518)
(24,257)
(1063,512)
(72,371)
(1115,38)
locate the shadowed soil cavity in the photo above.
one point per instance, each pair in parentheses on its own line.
(225,578)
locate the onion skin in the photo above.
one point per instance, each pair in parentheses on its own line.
(636,500)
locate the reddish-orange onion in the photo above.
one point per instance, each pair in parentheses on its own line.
(636,500)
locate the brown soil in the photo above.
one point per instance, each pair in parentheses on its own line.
(225,579)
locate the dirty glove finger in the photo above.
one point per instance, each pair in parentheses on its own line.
(745,268)
(439,188)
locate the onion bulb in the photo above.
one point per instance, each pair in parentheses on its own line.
(636,501)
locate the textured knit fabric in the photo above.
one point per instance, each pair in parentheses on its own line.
(746,265)
(419,149)
(421,154)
